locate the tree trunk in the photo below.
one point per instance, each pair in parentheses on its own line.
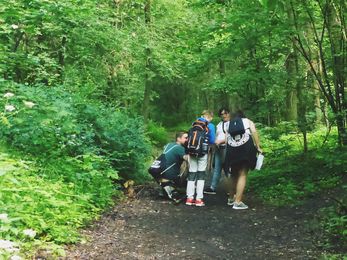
(223,99)
(148,83)
(332,80)
(337,40)
(61,56)
(302,99)
(291,95)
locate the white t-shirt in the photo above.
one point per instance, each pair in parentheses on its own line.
(220,135)
(247,125)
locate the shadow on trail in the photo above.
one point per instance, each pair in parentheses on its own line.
(151,228)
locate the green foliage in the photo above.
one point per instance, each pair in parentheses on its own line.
(52,201)
(80,149)
(335,227)
(289,175)
(79,69)
(61,124)
(282,128)
(328,256)
(120,138)
(157,134)
(332,225)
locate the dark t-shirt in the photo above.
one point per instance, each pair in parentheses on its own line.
(175,155)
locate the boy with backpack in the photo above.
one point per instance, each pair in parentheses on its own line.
(200,136)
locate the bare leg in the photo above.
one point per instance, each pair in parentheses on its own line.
(232,180)
(241,184)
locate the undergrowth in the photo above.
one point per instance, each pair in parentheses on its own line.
(289,176)
(62,161)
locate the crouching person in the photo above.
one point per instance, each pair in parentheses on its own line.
(174,155)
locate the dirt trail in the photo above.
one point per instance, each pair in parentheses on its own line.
(151,228)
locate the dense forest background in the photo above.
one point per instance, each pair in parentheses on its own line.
(88,88)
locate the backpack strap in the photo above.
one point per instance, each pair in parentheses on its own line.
(168,168)
(165,152)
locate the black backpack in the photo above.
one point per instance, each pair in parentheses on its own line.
(236,127)
(159,166)
(197,138)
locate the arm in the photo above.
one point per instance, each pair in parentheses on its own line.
(219,129)
(255,135)
(218,142)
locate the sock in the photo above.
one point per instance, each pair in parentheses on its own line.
(200,189)
(190,189)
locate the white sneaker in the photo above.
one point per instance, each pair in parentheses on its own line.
(240,205)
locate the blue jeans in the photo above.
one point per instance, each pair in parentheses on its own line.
(218,161)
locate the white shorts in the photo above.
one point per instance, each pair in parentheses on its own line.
(197,164)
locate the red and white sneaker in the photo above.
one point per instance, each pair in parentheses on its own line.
(199,203)
(190,201)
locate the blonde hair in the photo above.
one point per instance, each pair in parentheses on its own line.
(207,113)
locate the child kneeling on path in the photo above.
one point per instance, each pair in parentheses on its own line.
(201,135)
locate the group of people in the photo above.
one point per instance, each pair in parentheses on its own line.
(235,153)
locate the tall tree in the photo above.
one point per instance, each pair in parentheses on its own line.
(330,39)
(148,62)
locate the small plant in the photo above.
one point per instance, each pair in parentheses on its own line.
(332,228)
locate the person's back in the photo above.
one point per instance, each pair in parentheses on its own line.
(242,147)
(174,159)
(198,164)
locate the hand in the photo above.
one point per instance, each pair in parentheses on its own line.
(219,142)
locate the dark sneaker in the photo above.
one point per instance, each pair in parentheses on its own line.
(176,201)
(231,202)
(176,197)
(190,202)
(209,191)
(199,203)
(240,205)
(162,193)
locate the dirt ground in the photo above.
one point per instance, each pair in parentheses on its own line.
(153,228)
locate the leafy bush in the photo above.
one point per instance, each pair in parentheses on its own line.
(281,129)
(157,134)
(332,225)
(51,206)
(79,149)
(120,138)
(62,124)
(289,175)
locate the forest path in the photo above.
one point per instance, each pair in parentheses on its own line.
(151,228)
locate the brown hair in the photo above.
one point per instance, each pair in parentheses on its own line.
(180,134)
